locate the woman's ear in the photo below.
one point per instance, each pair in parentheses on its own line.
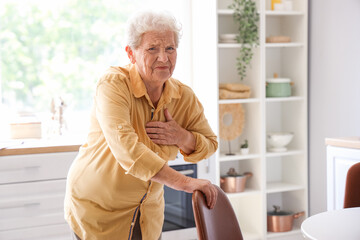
(130,54)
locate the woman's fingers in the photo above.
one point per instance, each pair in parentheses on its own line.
(212,197)
(210,192)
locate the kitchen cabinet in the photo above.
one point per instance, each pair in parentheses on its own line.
(279,178)
(32,191)
(341,154)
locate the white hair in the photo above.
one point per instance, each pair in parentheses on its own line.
(146,21)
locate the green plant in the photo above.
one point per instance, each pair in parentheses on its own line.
(245,145)
(247,18)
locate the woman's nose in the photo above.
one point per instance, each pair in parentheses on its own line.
(162,56)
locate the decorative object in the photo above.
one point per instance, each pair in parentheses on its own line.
(57,109)
(231,121)
(234,91)
(278,39)
(273,2)
(22,130)
(288,5)
(244,148)
(279,7)
(277,141)
(26,125)
(247,18)
(233,182)
(278,87)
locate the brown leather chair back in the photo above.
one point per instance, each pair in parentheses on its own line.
(218,223)
(352,187)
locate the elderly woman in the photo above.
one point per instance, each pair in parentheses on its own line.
(141,118)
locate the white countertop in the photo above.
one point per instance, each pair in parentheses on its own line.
(32,146)
(346,142)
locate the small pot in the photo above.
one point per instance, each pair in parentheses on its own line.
(278,87)
(233,182)
(244,151)
(281,221)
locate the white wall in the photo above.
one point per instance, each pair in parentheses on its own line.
(334,82)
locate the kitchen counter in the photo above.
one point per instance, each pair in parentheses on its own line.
(35,146)
(346,142)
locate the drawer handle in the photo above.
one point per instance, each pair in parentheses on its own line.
(32,168)
(29,168)
(25,205)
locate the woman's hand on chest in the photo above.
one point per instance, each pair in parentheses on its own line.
(170,133)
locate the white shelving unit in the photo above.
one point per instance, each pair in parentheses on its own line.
(278,178)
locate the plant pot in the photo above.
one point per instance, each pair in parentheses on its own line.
(281,221)
(278,87)
(234,183)
(244,151)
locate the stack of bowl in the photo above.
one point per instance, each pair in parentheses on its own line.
(228,38)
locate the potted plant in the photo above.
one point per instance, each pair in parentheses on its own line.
(247,18)
(244,148)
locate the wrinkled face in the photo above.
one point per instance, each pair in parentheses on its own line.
(155,57)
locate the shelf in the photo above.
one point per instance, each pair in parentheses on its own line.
(237,156)
(245,193)
(284,99)
(257,100)
(281,154)
(232,45)
(295,231)
(284,13)
(229,45)
(279,176)
(246,100)
(282,45)
(275,187)
(225,11)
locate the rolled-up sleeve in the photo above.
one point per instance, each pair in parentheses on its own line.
(197,124)
(113,104)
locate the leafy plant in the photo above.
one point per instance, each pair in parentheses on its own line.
(245,145)
(247,18)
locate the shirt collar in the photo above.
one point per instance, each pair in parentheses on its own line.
(171,89)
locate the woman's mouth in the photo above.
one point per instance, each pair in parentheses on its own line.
(162,67)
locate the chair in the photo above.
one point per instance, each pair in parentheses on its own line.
(218,223)
(352,187)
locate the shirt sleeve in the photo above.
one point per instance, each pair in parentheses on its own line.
(113,101)
(197,124)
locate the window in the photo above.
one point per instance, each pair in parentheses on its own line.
(59,49)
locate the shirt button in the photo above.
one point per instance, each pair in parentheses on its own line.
(119,126)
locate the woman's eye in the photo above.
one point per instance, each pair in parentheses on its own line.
(152,49)
(170,48)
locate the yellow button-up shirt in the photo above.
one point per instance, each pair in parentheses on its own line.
(109,181)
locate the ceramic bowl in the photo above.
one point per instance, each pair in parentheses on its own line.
(277,141)
(228,38)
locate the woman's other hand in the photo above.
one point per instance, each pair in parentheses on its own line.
(206,187)
(170,133)
(178,181)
